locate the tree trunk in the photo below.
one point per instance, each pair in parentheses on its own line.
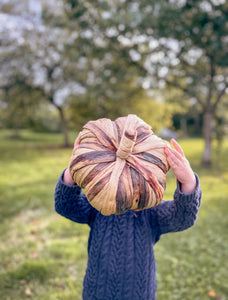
(183,125)
(207,134)
(64,129)
(16,134)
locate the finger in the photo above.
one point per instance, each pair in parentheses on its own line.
(173,165)
(174,157)
(177,147)
(174,152)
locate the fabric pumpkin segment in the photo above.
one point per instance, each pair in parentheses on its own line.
(121,165)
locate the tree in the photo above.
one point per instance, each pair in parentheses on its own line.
(181,44)
(32,59)
(192,36)
(115,72)
(60,61)
(17,107)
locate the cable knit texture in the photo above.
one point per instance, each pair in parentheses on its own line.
(121,263)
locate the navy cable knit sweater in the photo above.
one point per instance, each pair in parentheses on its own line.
(121,263)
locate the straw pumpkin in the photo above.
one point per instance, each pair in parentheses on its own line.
(120,164)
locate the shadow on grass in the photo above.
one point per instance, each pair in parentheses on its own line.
(14,281)
(30,270)
(32,196)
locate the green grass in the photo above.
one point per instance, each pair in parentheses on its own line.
(43,256)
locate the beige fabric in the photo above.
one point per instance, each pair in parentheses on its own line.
(121,165)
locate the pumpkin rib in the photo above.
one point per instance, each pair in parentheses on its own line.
(121,165)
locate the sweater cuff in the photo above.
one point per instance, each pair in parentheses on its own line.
(188,197)
(68,188)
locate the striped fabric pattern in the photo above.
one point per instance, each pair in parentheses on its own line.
(121,165)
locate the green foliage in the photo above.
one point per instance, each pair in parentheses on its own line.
(193,32)
(157,114)
(18,107)
(171,44)
(109,49)
(45,255)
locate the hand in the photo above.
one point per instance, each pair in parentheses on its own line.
(181,167)
(67,179)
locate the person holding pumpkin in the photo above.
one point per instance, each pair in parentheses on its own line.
(121,263)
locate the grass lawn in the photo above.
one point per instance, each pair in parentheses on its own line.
(43,256)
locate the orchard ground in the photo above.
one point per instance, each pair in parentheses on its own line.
(43,256)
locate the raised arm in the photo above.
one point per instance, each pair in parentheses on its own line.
(181,213)
(69,201)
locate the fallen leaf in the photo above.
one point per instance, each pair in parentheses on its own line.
(35,222)
(211,293)
(28,292)
(62,286)
(33,255)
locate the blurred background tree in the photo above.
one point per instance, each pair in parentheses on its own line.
(193,37)
(164,61)
(32,57)
(181,45)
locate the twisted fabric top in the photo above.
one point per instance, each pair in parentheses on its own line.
(121,165)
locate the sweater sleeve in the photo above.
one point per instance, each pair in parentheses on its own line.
(72,204)
(181,213)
